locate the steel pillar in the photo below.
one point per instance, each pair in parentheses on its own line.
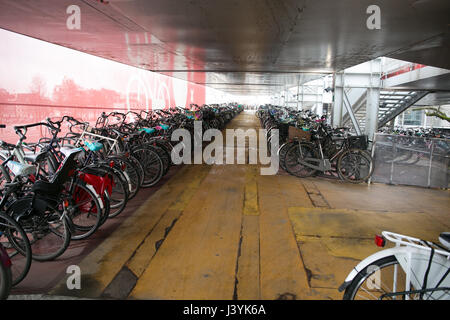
(373,98)
(338,99)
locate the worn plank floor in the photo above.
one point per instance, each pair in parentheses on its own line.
(227,232)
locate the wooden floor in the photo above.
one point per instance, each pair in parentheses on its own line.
(228,232)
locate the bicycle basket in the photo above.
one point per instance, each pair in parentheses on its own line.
(359,142)
(298,133)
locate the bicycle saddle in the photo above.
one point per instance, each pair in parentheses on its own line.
(444,239)
(21,168)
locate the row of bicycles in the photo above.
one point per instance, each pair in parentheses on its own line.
(407,268)
(440,133)
(67,184)
(396,147)
(308,146)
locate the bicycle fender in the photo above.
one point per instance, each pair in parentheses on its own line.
(128,180)
(100,202)
(367,262)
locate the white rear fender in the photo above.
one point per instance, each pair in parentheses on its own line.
(99,199)
(368,261)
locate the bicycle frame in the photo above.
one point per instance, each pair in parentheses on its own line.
(323,164)
(112,143)
(413,256)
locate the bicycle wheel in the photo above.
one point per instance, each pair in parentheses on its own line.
(47,229)
(119,195)
(386,279)
(152,164)
(107,207)
(163,154)
(297,152)
(138,167)
(85,209)
(17,246)
(354,165)
(5,279)
(282,154)
(132,172)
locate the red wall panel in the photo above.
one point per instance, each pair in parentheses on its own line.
(40,80)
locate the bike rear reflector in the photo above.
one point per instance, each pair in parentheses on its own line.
(380,241)
(66,203)
(111,164)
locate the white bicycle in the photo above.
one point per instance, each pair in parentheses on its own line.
(414,269)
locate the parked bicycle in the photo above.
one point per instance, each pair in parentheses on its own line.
(65,186)
(5,274)
(414,269)
(309,146)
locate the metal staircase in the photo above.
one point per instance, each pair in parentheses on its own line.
(392,103)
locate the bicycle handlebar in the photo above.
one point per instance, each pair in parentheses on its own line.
(26,126)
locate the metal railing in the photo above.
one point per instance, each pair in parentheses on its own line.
(412,161)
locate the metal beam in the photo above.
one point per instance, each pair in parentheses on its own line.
(348,106)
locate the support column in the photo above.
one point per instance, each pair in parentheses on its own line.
(373,99)
(338,100)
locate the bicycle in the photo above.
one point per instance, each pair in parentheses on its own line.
(5,274)
(85,206)
(413,269)
(16,244)
(351,162)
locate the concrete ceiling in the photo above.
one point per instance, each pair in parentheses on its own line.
(242,47)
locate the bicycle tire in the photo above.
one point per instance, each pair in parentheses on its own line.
(152,164)
(84,205)
(107,207)
(138,167)
(356,287)
(292,164)
(282,154)
(134,178)
(162,151)
(5,281)
(59,228)
(16,243)
(342,168)
(120,193)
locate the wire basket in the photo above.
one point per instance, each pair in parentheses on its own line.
(359,142)
(300,134)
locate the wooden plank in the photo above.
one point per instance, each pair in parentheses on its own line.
(293,191)
(100,267)
(251,192)
(146,251)
(248,275)
(282,271)
(198,258)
